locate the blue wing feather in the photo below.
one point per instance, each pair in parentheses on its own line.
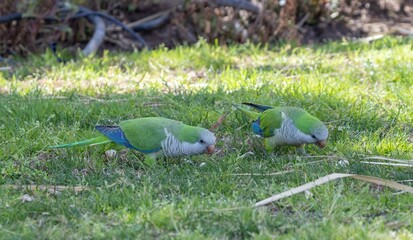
(116,134)
(256,127)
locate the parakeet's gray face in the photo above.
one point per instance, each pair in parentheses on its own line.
(207,142)
(320,135)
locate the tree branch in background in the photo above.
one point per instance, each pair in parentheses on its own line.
(98,35)
(238,4)
(135,35)
(146,24)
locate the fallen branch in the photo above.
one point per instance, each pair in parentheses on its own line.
(117,42)
(238,4)
(302,21)
(135,35)
(94,17)
(369,38)
(148,23)
(98,35)
(11,17)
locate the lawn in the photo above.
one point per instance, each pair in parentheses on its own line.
(362,91)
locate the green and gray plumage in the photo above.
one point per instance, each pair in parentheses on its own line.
(154,137)
(281,126)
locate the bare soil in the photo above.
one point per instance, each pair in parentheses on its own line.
(295,21)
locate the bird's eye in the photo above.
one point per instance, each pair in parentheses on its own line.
(313,136)
(201,141)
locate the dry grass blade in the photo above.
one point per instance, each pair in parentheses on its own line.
(390,164)
(49,188)
(390,159)
(154,104)
(219,122)
(329,178)
(54,97)
(320,156)
(408,180)
(384,182)
(398,193)
(261,174)
(216,210)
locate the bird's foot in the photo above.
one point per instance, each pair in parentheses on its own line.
(268,146)
(301,150)
(150,162)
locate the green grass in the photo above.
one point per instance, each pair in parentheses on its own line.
(361,91)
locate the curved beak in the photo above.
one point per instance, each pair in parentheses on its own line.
(321,144)
(210,149)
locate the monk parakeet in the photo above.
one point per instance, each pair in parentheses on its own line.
(286,126)
(154,136)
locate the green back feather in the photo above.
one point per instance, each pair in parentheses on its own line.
(304,121)
(148,133)
(188,133)
(271,119)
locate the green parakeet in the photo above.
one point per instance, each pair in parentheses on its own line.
(286,126)
(154,137)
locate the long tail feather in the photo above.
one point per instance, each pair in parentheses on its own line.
(248,113)
(92,141)
(262,108)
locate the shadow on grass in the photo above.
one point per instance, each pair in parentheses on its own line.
(196,57)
